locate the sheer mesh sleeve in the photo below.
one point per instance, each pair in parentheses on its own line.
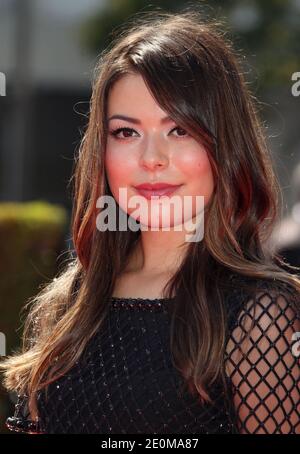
(263,365)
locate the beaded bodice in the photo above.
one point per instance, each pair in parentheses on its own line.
(125,381)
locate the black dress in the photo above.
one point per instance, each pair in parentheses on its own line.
(125,382)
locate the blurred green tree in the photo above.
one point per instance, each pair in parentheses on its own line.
(267,32)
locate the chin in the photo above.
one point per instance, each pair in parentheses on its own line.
(162,222)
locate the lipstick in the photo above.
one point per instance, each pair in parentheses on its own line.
(148,190)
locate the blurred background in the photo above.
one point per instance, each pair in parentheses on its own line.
(48,50)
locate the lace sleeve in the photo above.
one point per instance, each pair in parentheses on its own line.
(263,365)
(20,421)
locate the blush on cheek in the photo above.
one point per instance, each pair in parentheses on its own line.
(196,165)
(115,168)
(203,165)
(124,161)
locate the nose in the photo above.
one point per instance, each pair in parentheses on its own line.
(154,154)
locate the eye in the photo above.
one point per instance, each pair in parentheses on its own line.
(180,129)
(115,132)
(128,131)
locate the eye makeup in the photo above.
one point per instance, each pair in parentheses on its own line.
(114,132)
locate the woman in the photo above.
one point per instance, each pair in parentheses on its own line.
(146,331)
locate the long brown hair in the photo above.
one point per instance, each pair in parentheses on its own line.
(194,74)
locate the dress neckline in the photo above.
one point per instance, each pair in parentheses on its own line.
(145,304)
(140,299)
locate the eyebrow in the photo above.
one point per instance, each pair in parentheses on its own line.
(135,120)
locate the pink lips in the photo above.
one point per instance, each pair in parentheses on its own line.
(156,189)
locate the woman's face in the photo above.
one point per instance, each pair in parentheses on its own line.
(149,150)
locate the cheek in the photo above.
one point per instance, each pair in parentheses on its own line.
(197,171)
(196,165)
(118,167)
(203,172)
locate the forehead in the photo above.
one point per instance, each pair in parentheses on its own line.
(130,96)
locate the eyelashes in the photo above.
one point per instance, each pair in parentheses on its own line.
(115,132)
